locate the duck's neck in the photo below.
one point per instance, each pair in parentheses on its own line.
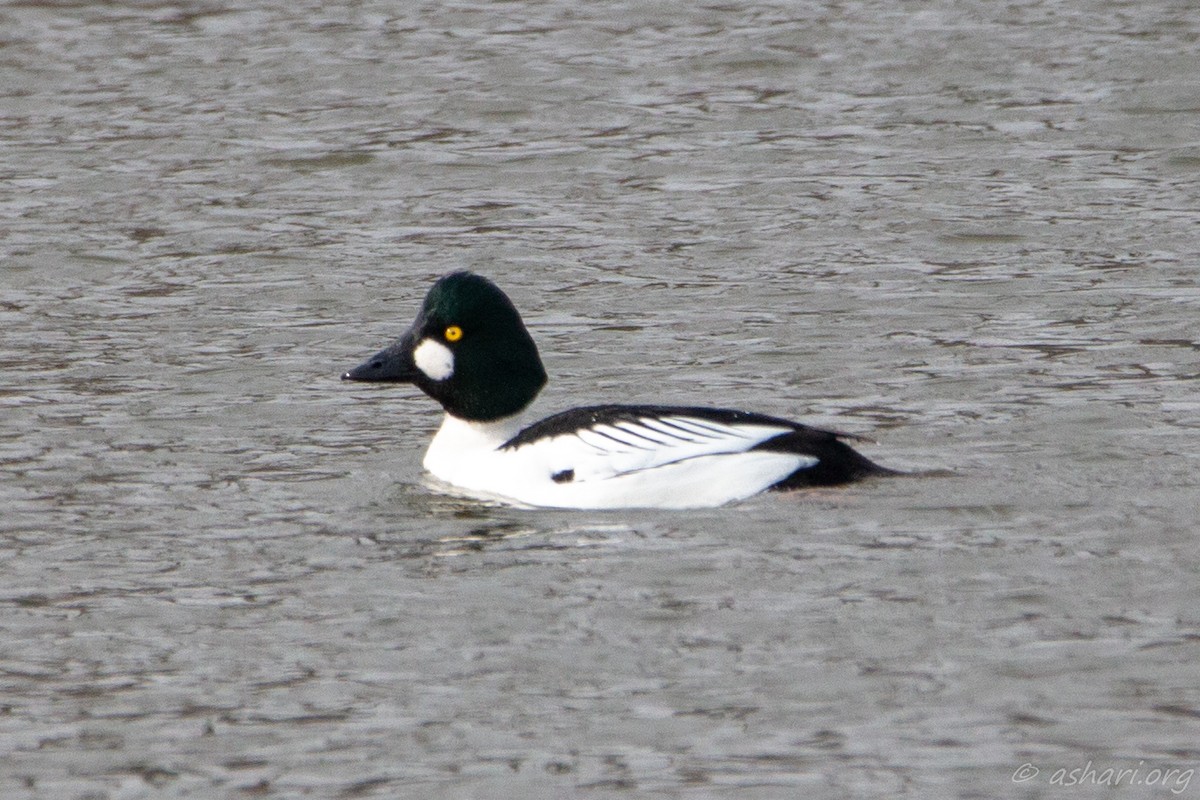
(460,439)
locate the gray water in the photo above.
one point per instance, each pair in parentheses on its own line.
(966,230)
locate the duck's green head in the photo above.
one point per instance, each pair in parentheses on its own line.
(468,349)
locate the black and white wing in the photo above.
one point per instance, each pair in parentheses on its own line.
(602,442)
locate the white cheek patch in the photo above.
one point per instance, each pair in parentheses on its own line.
(434,359)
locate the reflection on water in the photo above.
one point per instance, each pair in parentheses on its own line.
(963,230)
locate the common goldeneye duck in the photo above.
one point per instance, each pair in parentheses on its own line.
(470,351)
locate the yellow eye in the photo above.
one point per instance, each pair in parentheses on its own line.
(453,333)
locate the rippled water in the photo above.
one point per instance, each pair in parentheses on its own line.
(965,229)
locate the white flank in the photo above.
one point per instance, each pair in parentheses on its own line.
(434,359)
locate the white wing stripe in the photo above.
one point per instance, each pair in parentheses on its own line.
(705,428)
(619,436)
(641,431)
(674,431)
(589,436)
